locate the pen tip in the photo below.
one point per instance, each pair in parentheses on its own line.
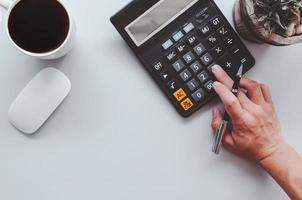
(240,71)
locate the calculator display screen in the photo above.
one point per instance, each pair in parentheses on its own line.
(156,18)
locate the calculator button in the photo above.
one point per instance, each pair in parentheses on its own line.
(229,41)
(198,95)
(192,84)
(157,67)
(237,52)
(181,48)
(192,39)
(218,51)
(243,60)
(216,22)
(178,65)
(196,67)
(203,76)
(240,55)
(171,56)
(223,32)
(210,70)
(185,75)
(206,59)
(165,76)
(227,63)
(212,40)
(188,28)
(189,57)
(187,104)
(205,30)
(209,86)
(180,94)
(172,85)
(166,45)
(178,36)
(199,49)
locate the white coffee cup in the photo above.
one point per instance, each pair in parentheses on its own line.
(62,50)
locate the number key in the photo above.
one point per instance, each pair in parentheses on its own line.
(189,57)
(206,59)
(203,76)
(178,65)
(209,86)
(196,67)
(199,49)
(185,75)
(192,84)
(199,95)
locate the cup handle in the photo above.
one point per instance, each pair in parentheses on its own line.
(5,3)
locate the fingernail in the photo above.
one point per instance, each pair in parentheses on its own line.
(216,84)
(215,69)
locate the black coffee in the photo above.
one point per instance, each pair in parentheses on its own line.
(38,26)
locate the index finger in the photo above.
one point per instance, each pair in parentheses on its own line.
(225,79)
(230,101)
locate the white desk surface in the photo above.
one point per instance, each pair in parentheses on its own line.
(117,137)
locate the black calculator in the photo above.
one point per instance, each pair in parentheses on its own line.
(178,41)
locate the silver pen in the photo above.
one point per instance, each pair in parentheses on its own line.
(226,118)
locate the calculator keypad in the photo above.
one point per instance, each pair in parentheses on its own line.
(192,51)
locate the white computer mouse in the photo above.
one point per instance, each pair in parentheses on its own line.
(38,100)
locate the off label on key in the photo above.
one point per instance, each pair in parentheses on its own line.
(187,104)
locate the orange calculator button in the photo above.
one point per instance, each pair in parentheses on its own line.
(187,104)
(180,94)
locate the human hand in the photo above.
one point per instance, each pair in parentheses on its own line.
(256,132)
